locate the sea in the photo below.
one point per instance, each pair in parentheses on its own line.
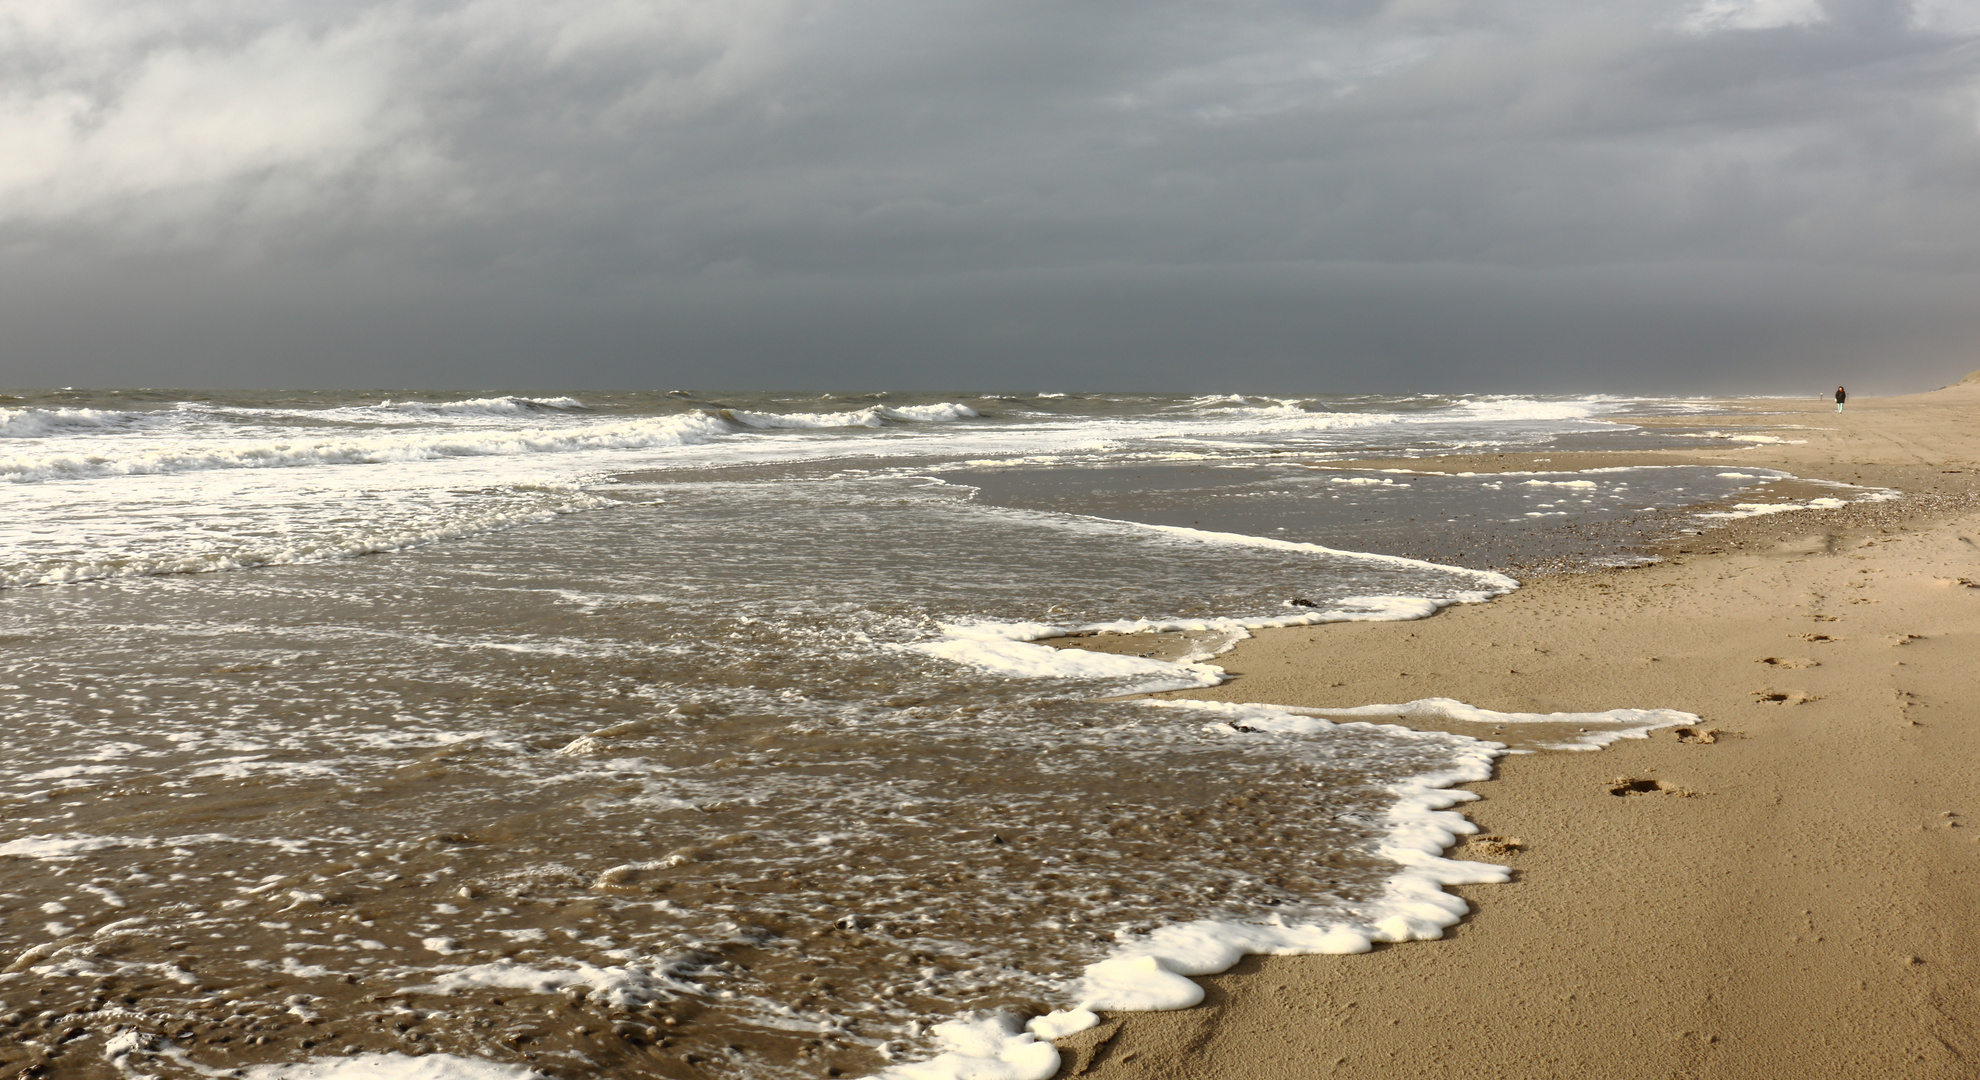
(703,734)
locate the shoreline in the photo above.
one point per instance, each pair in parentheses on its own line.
(1782,891)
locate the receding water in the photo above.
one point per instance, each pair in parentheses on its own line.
(739,768)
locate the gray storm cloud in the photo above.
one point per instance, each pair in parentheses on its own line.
(1435,194)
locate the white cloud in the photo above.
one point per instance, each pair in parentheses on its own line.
(1712,15)
(671,58)
(1947,16)
(107,103)
(142,113)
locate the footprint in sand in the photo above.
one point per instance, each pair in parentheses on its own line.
(1494,845)
(1702,736)
(1788,661)
(1904,639)
(1783,697)
(1814,637)
(1626,786)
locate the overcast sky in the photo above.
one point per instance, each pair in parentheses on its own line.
(1011,194)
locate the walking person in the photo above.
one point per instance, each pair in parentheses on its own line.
(1841,396)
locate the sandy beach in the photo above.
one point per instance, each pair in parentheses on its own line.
(1787,890)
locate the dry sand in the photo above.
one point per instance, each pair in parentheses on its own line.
(1791,891)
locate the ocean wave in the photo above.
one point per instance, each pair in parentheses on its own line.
(873,417)
(508,405)
(1522,408)
(1240,401)
(1250,405)
(36,423)
(1481,407)
(683,430)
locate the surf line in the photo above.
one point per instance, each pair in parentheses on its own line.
(1157,971)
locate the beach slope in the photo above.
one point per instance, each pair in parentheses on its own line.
(1788,890)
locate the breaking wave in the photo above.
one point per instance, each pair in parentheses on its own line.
(36,423)
(876,416)
(495,406)
(683,430)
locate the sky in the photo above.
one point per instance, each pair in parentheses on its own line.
(1240,196)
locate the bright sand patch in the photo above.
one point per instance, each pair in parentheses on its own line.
(1790,890)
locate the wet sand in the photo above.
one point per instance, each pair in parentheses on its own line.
(1786,890)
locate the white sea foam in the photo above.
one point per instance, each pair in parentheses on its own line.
(876,416)
(620,987)
(204,557)
(495,406)
(934,413)
(1214,401)
(1490,583)
(1747,510)
(1759,509)
(1242,416)
(74,846)
(35,423)
(993,1047)
(1576,472)
(62,847)
(252,766)
(389,1066)
(1627,723)
(66,771)
(1744,437)
(1500,409)
(1010,648)
(990,646)
(1154,972)
(681,430)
